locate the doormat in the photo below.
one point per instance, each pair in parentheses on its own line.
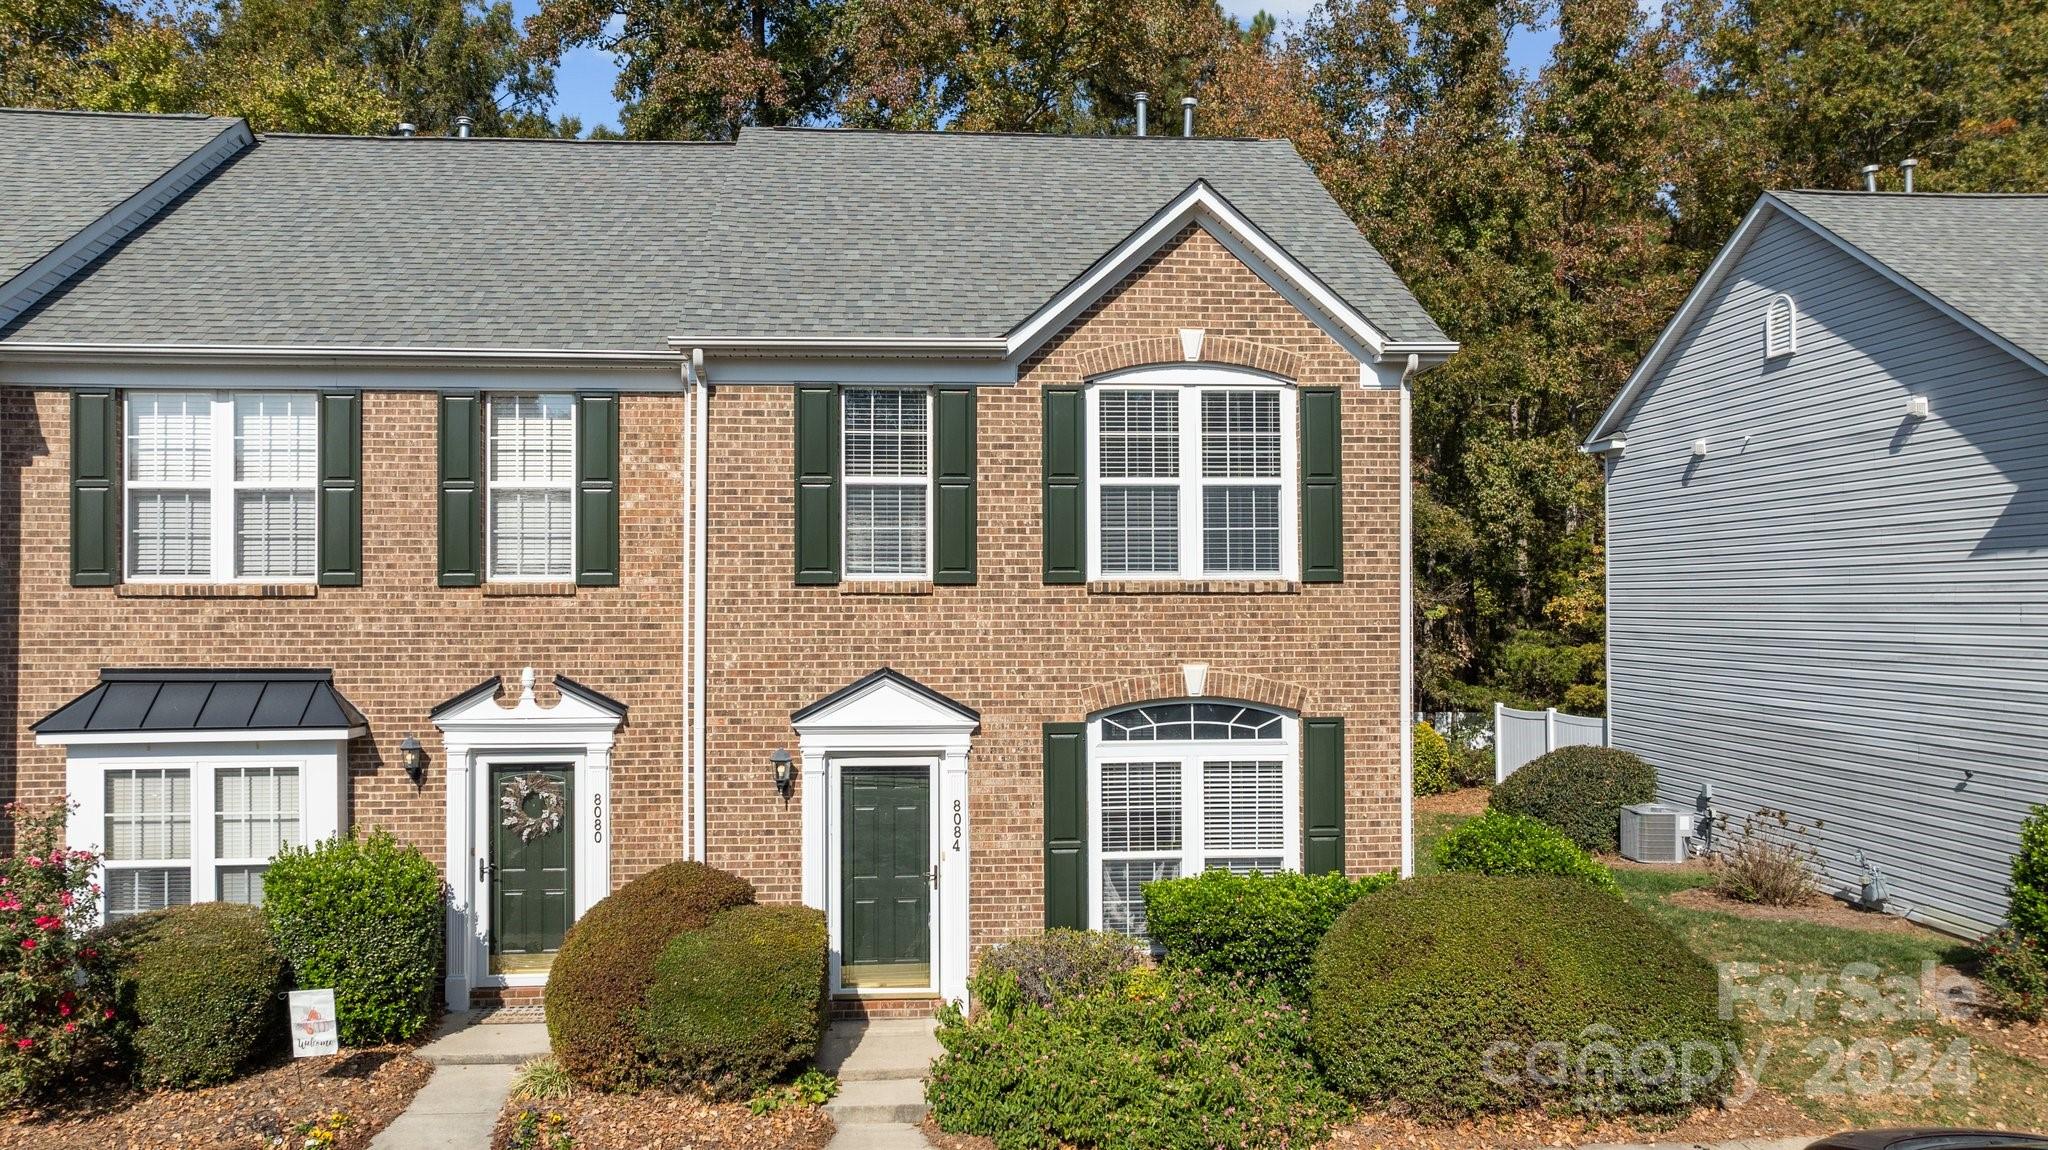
(507,1015)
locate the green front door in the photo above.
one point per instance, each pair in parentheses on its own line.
(886,865)
(532,860)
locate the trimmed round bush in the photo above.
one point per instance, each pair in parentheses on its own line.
(735,1004)
(1432,761)
(1059,963)
(364,915)
(1160,1060)
(1459,994)
(1498,843)
(2028,912)
(1260,927)
(599,981)
(1580,791)
(204,984)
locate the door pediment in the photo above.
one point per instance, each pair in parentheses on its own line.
(886,700)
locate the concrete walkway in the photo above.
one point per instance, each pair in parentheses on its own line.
(881,1067)
(474,1065)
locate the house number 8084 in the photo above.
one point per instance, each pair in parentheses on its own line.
(956,826)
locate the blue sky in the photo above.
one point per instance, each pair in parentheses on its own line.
(583,84)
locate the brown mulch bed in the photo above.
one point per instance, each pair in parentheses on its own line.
(1470,801)
(1817,909)
(370,1086)
(657,1121)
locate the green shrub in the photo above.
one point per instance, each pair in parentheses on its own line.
(1261,927)
(1159,1061)
(2014,967)
(204,984)
(1502,844)
(2028,913)
(364,915)
(1580,791)
(736,1003)
(1471,766)
(1457,994)
(1431,757)
(1058,963)
(599,980)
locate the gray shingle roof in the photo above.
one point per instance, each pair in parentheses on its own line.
(485,243)
(1984,255)
(132,702)
(61,171)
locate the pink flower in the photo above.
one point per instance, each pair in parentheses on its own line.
(48,922)
(63,1010)
(106,1014)
(24,1043)
(66,898)
(28,944)
(69,1027)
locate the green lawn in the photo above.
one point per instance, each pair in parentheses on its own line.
(1821,1050)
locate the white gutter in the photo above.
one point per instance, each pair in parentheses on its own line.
(701,517)
(845,345)
(157,353)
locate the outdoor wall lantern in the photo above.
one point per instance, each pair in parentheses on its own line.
(785,770)
(414,758)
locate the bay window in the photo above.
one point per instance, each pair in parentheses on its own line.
(530,449)
(1193,475)
(163,847)
(887,474)
(1179,788)
(221,486)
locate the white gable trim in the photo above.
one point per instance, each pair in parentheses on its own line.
(1608,433)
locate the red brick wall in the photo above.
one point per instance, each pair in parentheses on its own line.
(1023,653)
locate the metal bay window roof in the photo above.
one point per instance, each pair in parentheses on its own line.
(164,702)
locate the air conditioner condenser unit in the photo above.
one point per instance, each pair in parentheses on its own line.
(1655,833)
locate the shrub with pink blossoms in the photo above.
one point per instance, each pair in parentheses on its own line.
(57,1009)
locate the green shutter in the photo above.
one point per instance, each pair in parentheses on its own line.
(817,484)
(462,520)
(1322,504)
(1066,825)
(95,495)
(1322,796)
(341,490)
(1065,502)
(953,519)
(597,490)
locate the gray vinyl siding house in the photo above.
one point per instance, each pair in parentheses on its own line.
(1824,597)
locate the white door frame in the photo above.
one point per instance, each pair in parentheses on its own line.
(484,811)
(836,767)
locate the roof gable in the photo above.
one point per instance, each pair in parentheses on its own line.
(885,699)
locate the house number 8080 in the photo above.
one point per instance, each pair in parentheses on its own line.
(956,826)
(597,818)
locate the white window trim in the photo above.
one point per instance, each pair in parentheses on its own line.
(491,486)
(1191,383)
(1191,754)
(221,487)
(1780,338)
(848,481)
(323,795)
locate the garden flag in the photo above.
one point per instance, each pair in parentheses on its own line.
(313,1029)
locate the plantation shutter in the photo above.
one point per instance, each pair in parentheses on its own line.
(340,546)
(1066,825)
(1322,510)
(95,534)
(1322,796)
(1065,506)
(953,487)
(817,484)
(597,490)
(461,501)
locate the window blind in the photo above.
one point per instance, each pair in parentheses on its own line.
(531,471)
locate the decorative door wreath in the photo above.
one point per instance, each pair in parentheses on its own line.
(512,799)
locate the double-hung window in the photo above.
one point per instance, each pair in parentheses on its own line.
(886,445)
(531,468)
(221,486)
(168,844)
(1193,472)
(1179,788)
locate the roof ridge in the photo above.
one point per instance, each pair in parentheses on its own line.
(471,141)
(943,133)
(1848,193)
(200,117)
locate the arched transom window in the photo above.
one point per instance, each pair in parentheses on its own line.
(1176,788)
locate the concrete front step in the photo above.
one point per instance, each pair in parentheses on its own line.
(868,1103)
(461,1042)
(882,1050)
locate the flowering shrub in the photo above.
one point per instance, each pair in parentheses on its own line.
(2014,966)
(56,988)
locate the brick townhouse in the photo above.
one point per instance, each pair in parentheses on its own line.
(949,531)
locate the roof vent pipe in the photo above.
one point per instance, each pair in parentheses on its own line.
(462,126)
(406,129)
(1187,115)
(1907,165)
(1870,177)
(1143,97)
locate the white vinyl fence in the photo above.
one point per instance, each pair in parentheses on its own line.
(1519,736)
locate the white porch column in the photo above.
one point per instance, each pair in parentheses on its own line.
(461,874)
(953,875)
(817,847)
(595,880)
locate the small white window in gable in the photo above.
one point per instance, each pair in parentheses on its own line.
(1781,327)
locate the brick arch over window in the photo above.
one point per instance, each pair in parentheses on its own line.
(1172,684)
(1166,349)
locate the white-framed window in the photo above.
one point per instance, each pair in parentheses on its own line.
(1193,475)
(1176,788)
(221,486)
(1781,327)
(885,446)
(530,479)
(164,847)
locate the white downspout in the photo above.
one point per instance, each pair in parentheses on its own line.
(689,795)
(1407,628)
(702,518)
